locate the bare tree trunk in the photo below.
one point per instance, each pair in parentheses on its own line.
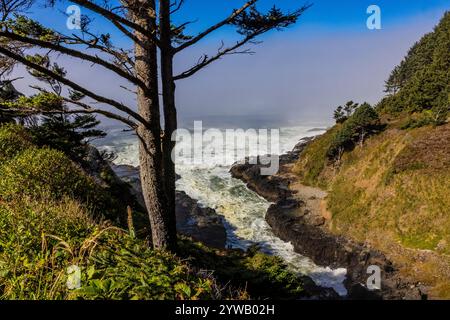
(150,153)
(170,112)
(362,138)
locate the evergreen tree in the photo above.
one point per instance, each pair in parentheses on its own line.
(154,40)
(7,93)
(339,115)
(422,80)
(363,122)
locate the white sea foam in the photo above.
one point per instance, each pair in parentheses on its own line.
(243,210)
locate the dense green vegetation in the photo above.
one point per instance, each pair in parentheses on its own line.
(13,140)
(40,173)
(39,241)
(421,81)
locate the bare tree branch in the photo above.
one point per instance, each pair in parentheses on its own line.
(205,61)
(8,7)
(76,54)
(122,59)
(216,26)
(88,109)
(32,112)
(74,85)
(126,32)
(111,16)
(177,6)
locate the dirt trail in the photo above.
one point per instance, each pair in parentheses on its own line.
(314,198)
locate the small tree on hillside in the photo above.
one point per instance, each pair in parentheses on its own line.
(350,107)
(359,125)
(342,113)
(339,115)
(363,121)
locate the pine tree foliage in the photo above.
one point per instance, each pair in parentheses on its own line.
(422,80)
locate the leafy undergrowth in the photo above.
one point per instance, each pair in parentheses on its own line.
(253,273)
(39,242)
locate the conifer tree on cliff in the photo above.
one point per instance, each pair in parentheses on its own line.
(149,26)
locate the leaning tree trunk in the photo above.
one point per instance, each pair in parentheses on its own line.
(150,153)
(170,112)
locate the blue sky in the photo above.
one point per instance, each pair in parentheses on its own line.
(328,58)
(323,15)
(328,14)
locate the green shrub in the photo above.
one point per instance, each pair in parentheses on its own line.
(342,140)
(29,171)
(44,173)
(359,126)
(13,139)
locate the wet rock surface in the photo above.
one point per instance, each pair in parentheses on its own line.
(272,188)
(291,221)
(193,220)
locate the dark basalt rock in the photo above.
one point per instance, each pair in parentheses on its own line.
(272,188)
(325,249)
(200,223)
(309,238)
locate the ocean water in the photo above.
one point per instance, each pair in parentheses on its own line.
(243,210)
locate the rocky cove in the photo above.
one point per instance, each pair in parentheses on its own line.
(205,225)
(293,219)
(195,221)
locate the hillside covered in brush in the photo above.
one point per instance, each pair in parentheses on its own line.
(387,168)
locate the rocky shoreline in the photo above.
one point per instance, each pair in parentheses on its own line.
(292,221)
(206,226)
